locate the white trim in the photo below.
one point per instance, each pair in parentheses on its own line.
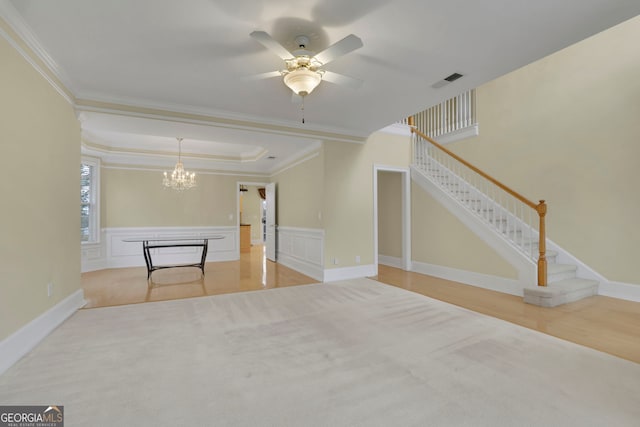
(302,249)
(94,203)
(402,129)
(295,162)
(347,273)
(620,290)
(391,261)
(238,184)
(93,256)
(406,213)
(17,24)
(306,268)
(459,134)
(217,118)
(527,269)
(120,254)
(21,342)
(494,283)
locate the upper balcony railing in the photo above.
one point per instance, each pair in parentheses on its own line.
(448,117)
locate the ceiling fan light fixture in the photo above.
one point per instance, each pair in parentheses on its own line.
(302,81)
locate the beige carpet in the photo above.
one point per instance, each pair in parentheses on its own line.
(353,353)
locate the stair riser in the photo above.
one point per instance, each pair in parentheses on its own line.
(556,277)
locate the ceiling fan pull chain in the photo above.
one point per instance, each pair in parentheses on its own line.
(302,108)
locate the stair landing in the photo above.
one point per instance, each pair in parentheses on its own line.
(561,292)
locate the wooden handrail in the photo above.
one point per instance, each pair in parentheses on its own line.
(540,208)
(476,170)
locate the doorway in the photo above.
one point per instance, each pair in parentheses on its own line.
(392,216)
(252,215)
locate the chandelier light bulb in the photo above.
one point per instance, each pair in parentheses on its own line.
(179,179)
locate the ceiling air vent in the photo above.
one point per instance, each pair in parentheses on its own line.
(451,78)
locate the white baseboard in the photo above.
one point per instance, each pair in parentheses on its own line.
(620,290)
(301,266)
(346,273)
(494,283)
(21,342)
(391,261)
(526,268)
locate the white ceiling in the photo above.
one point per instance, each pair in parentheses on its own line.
(191,59)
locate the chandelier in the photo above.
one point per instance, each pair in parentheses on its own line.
(179,178)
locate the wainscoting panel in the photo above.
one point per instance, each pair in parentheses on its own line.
(93,255)
(126,254)
(302,250)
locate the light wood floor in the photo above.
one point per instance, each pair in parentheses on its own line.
(129,285)
(606,324)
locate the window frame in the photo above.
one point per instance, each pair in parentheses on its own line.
(94,201)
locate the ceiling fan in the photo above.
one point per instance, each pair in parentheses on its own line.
(304,69)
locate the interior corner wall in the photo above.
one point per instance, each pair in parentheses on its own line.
(565,129)
(39,188)
(390,214)
(348,200)
(300,193)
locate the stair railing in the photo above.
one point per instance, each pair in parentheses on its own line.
(518,219)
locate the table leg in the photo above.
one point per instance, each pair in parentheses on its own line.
(147,258)
(204,254)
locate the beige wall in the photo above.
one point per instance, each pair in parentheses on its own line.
(348,206)
(39,187)
(390,214)
(566,129)
(136,198)
(300,193)
(252,211)
(439,238)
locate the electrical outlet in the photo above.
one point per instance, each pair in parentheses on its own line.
(50,289)
(335,261)
(357,259)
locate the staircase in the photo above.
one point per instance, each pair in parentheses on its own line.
(507,215)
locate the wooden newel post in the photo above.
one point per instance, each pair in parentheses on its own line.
(410,121)
(542,245)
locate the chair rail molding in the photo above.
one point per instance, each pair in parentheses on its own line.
(119,254)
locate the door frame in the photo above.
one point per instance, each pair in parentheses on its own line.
(238,184)
(406,213)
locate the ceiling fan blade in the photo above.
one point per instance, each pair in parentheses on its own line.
(262,76)
(339,48)
(342,80)
(267,41)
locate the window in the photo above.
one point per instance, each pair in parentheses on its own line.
(89,200)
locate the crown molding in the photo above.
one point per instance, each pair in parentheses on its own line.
(147,160)
(184,114)
(106,150)
(21,38)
